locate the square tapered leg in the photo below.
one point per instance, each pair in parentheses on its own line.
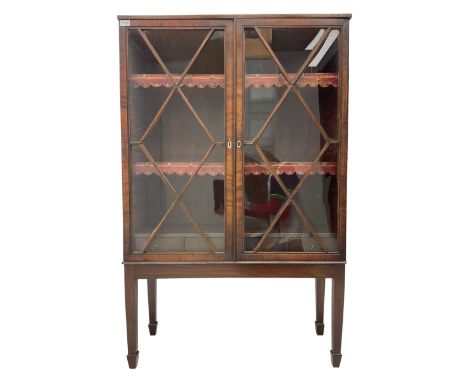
(152,301)
(131,308)
(319,302)
(338,285)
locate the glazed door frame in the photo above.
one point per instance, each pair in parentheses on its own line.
(343,26)
(234,106)
(228,26)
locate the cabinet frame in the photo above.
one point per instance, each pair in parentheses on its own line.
(234,97)
(233,262)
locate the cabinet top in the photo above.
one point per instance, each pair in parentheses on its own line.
(231,17)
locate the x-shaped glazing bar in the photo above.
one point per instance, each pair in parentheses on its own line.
(177,200)
(176,85)
(290,199)
(291,84)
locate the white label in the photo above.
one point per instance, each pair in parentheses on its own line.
(124,23)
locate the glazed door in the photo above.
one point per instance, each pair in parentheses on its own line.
(288,139)
(180,106)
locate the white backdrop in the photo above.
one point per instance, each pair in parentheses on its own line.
(62,302)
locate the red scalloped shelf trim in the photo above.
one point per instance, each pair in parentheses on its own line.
(217,80)
(306,79)
(213,169)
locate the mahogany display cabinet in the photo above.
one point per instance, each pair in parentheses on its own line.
(234,153)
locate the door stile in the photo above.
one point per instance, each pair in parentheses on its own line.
(239,247)
(343,131)
(229,194)
(126,178)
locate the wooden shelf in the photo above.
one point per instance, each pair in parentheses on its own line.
(217,168)
(217,80)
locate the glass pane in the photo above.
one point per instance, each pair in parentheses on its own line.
(175,47)
(263,82)
(211,58)
(144,103)
(209,104)
(293,136)
(177,137)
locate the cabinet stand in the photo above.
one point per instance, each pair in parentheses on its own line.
(152,272)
